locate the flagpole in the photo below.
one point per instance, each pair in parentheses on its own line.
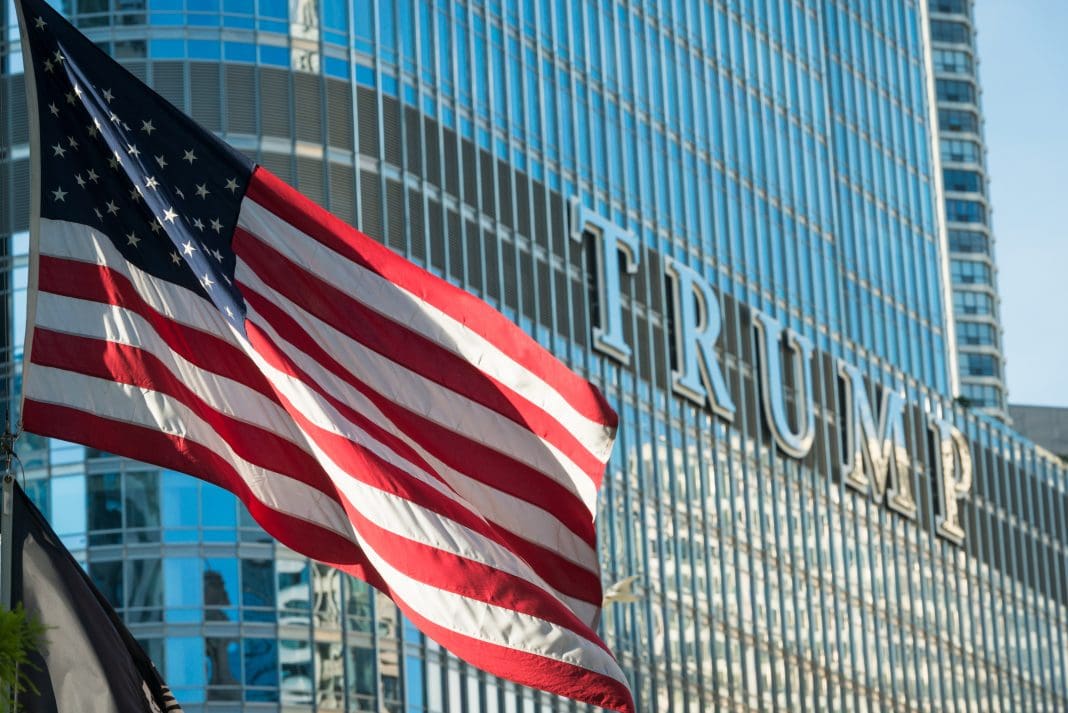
(7,443)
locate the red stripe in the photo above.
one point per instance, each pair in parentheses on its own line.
(273,194)
(490,467)
(402,346)
(364,465)
(180,454)
(134,366)
(206,350)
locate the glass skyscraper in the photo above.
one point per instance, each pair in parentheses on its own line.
(973,271)
(728,214)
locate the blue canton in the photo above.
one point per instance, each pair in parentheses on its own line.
(117,157)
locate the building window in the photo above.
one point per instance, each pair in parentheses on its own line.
(954,179)
(970,272)
(958,120)
(960,150)
(955,90)
(973,303)
(959,7)
(981,395)
(959,211)
(978,364)
(945,31)
(976,334)
(968,241)
(955,61)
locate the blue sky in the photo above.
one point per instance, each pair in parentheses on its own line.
(1023,69)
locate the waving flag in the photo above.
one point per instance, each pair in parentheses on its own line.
(191,310)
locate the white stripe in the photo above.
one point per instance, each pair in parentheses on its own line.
(159,412)
(496,625)
(422,317)
(78,242)
(105,321)
(515,514)
(400,516)
(433,401)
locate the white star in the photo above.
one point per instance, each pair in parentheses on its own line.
(92,175)
(207,282)
(93,129)
(216,225)
(112,208)
(70,97)
(146,126)
(161,161)
(81,181)
(178,192)
(115,161)
(169,215)
(217,255)
(58,150)
(77,90)
(155,226)
(72,142)
(49,66)
(58,56)
(40,23)
(132,239)
(229,312)
(108,96)
(114,118)
(198,224)
(231,185)
(176,258)
(202,190)
(189,156)
(133,150)
(151,182)
(188,248)
(54,109)
(125,126)
(99,216)
(135,193)
(59,194)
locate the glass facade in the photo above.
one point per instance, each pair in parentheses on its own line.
(780,155)
(971,239)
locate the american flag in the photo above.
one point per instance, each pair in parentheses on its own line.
(191,310)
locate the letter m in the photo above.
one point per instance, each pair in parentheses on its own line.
(876,460)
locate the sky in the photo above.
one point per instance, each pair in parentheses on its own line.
(1023,70)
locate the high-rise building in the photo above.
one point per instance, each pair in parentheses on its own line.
(725,213)
(973,271)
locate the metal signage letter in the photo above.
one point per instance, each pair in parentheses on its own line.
(953,475)
(883,451)
(611,240)
(697,323)
(795,443)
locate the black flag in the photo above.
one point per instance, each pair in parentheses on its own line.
(90,661)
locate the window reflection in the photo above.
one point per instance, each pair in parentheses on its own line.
(144,593)
(223,660)
(261,669)
(105,509)
(257,589)
(141,505)
(293,591)
(220,589)
(107,576)
(183,591)
(295,658)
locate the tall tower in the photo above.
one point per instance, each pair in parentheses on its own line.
(971,239)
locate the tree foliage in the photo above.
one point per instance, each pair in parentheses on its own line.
(20,636)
